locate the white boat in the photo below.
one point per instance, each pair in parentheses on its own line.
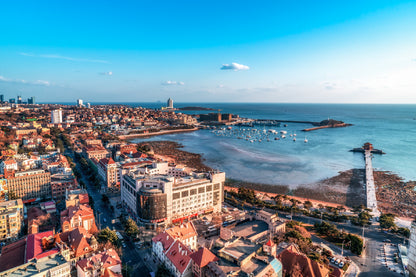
(283,132)
(283,136)
(306,140)
(294,134)
(276,138)
(294,139)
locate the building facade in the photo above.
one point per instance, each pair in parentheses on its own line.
(412,250)
(56,116)
(11,219)
(183,198)
(30,184)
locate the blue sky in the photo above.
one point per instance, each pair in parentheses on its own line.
(209,51)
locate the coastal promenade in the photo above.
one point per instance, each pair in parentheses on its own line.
(369,182)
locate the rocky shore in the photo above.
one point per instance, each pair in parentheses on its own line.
(347,188)
(172,150)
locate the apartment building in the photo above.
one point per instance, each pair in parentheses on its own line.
(30,184)
(11,219)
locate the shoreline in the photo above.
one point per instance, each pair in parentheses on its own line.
(346,188)
(159,133)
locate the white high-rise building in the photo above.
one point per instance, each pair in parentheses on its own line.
(80,103)
(411,252)
(56,116)
(170,104)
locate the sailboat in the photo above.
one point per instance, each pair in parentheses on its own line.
(306,140)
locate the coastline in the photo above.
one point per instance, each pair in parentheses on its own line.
(159,133)
(345,188)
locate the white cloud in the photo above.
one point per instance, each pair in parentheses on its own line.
(234,66)
(57,56)
(109,73)
(172,83)
(329,85)
(21,81)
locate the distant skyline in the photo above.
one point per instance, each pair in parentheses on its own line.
(216,51)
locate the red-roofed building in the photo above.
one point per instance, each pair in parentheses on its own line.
(173,253)
(40,245)
(78,216)
(160,244)
(95,266)
(296,263)
(97,152)
(186,233)
(200,260)
(107,170)
(270,248)
(178,260)
(12,255)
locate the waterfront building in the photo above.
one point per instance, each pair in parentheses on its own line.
(1,98)
(169,104)
(11,219)
(19,99)
(275,224)
(166,199)
(412,250)
(30,184)
(80,103)
(56,116)
(31,100)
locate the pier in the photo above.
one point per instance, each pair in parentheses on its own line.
(369,182)
(370,187)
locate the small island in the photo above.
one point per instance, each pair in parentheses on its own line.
(327,123)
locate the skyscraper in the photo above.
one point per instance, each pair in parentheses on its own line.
(19,99)
(31,100)
(1,98)
(80,103)
(170,104)
(56,116)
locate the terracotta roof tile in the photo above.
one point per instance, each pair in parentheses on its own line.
(203,257)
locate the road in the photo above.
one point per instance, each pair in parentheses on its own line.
(103,215)
(370,264)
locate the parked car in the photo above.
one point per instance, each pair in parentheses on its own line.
(341,265)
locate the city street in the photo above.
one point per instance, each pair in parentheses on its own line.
(131,257)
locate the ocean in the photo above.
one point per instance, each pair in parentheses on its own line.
(391,128)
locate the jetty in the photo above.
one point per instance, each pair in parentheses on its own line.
(370,187)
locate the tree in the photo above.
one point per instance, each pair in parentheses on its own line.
(387,221)
(364,218)
(106,235)
(307,205)
(356,244)
(131,228)
(162,271)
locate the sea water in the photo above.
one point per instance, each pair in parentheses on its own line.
(391,128)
